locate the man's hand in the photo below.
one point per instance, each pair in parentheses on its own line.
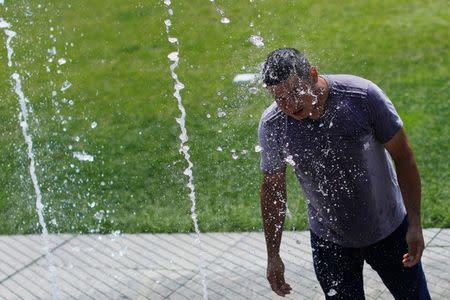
(414,239)
(275,275)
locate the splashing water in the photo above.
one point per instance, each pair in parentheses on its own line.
(246,78)
(224,19)
(65,86)
(10,35)
(83,156)
(332,292)
(23,121)
(256,40)
(174,57)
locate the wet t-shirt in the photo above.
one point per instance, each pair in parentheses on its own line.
(347,176)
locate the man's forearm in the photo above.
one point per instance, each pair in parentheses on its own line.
(409,181)
(273,209)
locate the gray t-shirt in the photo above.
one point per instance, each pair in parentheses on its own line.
(345,172)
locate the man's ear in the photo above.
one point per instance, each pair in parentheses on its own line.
(314,74)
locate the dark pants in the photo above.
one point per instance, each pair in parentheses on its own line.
(340,269)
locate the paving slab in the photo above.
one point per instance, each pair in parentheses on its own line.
(167,266)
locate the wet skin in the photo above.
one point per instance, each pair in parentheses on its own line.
(301,99)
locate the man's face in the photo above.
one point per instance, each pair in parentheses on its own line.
(294,97)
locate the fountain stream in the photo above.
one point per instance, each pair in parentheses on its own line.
(184,148)
(23,121)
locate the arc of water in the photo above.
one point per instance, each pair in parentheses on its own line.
(184,148)
(23,120)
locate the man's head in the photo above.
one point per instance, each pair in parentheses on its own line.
(282,63)
(291,80)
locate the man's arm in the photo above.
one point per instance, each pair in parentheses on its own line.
(409,181)
(273,211)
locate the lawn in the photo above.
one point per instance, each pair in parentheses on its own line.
(120,107)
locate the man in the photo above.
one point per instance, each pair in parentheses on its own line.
(334,130)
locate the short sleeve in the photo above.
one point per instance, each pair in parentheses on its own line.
(383,116)
(270,141)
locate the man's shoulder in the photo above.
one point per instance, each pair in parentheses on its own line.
(271,114)
(345,83)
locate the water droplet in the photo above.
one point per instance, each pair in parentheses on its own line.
(245,78)
(66,85)
(82,156)
(253,90)
(51,51)
(290,160)
(332,292)
(256,40)
(28,11)
(173,56)
(99,215)
(221,113)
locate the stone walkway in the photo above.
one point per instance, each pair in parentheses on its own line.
(166,266)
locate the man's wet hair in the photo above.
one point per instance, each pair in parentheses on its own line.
(281,63)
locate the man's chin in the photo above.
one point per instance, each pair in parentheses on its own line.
(299,118)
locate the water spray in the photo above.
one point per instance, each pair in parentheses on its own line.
(23,121)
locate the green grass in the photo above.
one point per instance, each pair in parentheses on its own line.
(120,79)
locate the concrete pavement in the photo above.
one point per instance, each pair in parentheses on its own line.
(166,266)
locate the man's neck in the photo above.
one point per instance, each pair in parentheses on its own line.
(321,91)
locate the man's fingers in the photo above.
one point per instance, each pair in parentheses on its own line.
(283,291)
(278,285)
(278,289)
(282,282)
(286,288)
(274,284)
(408,258)
(413,256)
